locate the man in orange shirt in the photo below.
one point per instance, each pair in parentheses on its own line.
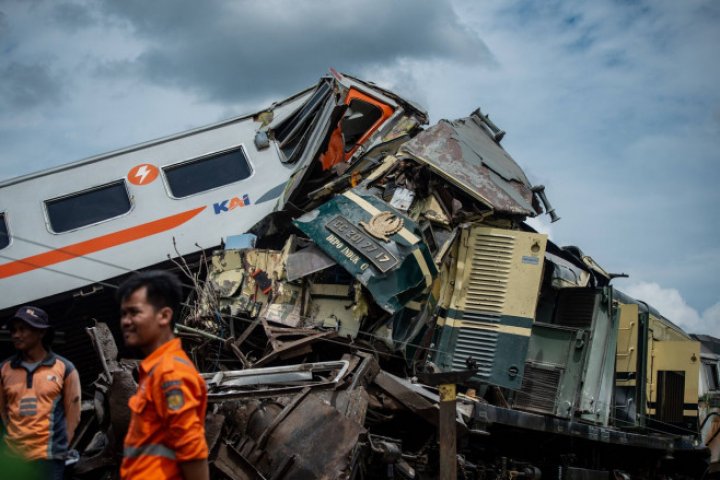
(166,437)
(39,395)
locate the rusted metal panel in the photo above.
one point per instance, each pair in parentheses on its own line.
(408,398)
(233,465)
(318,436)
(213,429)
(104,345)
(463,152)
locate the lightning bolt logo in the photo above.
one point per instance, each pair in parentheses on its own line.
(142,174)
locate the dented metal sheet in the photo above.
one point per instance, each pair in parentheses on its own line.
(306,261)
(463,152)
(285,306)
(239,281)
(274,380)
(379,246)
(311,424)
(566,274)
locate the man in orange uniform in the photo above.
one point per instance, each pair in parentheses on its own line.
(166,437)
(39,395)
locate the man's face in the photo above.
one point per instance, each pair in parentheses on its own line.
(24,336)
(143,325)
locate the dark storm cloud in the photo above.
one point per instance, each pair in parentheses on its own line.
(4,32)
(72,15)
(228,51)
(25,86)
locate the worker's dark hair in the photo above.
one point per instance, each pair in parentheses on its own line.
(163,290)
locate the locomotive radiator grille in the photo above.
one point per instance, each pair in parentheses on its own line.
(489,314)
(491,257)
(539,389)
(478,344)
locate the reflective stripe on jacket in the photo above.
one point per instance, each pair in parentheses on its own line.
(39,404)
(167,425)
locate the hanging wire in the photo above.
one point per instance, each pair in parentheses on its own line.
(655,420)
(656,430)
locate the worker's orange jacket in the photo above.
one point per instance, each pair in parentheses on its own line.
(40,408)
(167,423)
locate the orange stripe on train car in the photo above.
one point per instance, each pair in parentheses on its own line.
(96,244)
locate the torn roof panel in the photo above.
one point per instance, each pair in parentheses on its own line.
(463,152)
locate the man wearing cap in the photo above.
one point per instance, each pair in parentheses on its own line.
(39,394)
(166,436)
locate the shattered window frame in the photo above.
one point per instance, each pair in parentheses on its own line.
(386,112)
(214,169)
(4,232)
(351,144)
(293,132)
(88,207)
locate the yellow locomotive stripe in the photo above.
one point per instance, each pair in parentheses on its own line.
(491,327)
(423,266)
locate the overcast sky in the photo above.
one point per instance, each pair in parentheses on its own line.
(613,105)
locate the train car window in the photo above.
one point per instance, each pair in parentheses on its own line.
(88,207)
(4,237)
(711,372)
(206,173)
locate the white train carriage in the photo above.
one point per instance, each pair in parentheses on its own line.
(70,227)
(709,399)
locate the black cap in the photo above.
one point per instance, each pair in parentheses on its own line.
(34,316)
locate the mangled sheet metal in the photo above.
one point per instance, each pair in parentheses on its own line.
(382,248)
(109,406)
(292,422)
(306,261)
(290,446)
(226,385)
(565,273)
(343,119)
(239,281)
(393,252)
(466,153)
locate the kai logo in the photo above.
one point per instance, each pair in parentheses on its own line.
(143,174)
(231,204)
